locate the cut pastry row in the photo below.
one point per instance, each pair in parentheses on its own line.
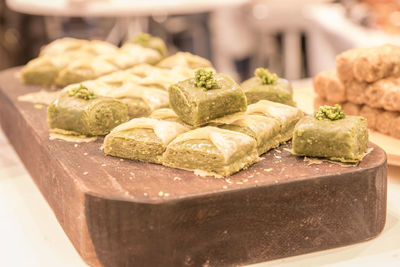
(224,146)
(66,61)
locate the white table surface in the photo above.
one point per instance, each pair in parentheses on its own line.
(31,236)
(117,8)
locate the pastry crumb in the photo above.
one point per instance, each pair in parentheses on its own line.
(103,165)
(166,194)
(176,178)
(38,106)
(85,154)
(85,173)
(240,183)
(225,187)
(145,194)
(75,145)
(161,193)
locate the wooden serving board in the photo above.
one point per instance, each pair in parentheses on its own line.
(127,213)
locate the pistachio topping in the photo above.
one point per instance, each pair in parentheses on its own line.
(266,76)
(204,78)
(329,112)
(142,38)
(81,92)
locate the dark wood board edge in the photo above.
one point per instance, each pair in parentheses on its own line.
(355,204)
(53,182)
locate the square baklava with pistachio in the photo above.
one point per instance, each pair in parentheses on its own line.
(205,97)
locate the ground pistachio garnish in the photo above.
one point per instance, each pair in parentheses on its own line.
(266,76)
(330,112)
(205,78)
(81,92)
(142,38)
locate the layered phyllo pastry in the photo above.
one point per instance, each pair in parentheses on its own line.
(145,48)
(287,116)
(211,149)
(164,114)
(184,59)
(79,111)
(68,60)
(205,97)
(141,101)
(65,45)
(265,130)
(84,69)
(331,134)
(267,86)
(160,77)
(45,70)
(143,139)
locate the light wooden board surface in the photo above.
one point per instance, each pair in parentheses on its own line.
(304,96)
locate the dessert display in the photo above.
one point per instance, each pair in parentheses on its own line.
(205,97)
(69,60)
(267,86)
(224,146)
(213,150)
(366,83)
(78,111)
(331,134)
(126,143)
(182,114)
(142,88)
(143,139)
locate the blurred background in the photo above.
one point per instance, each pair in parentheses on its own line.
(294,38)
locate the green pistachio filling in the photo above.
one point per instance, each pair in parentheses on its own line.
(142,39)
(205,79)
(330,112)
(81,92)
(266,76)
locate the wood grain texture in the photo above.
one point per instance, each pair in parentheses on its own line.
(127,213)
